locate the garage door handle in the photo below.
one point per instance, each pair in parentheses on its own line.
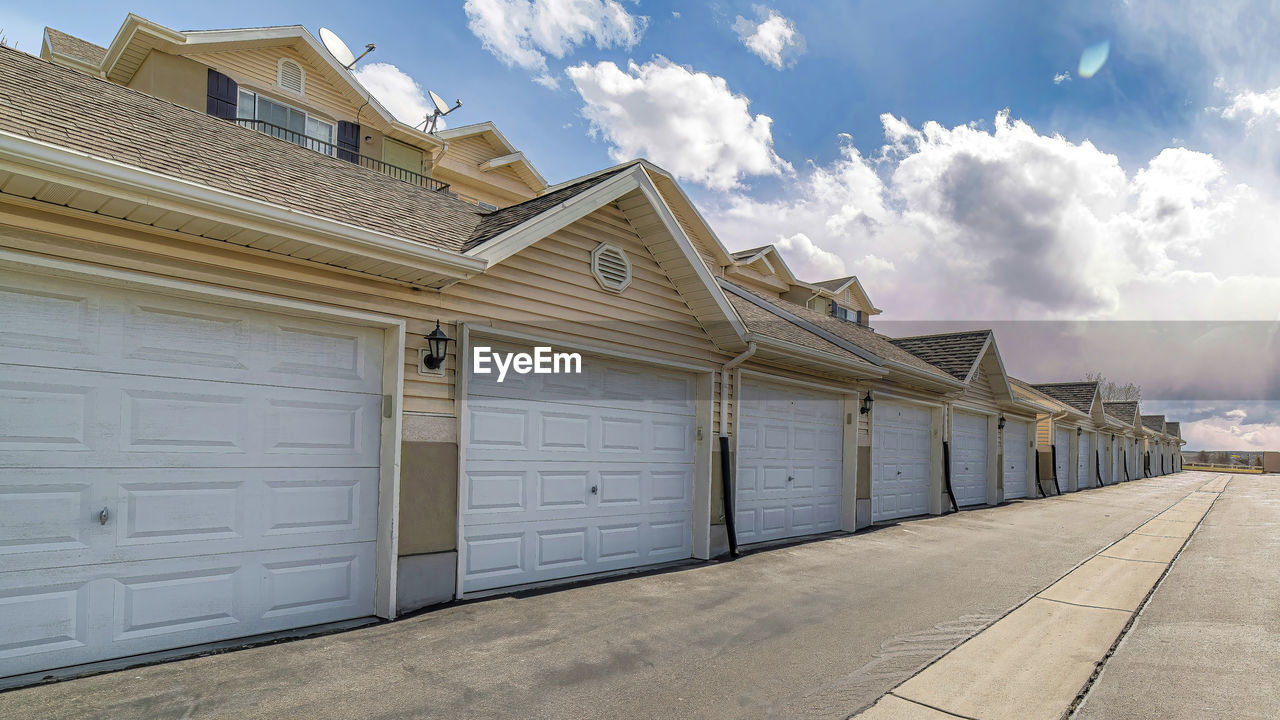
(104,516)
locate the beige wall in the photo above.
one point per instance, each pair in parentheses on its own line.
(173,78)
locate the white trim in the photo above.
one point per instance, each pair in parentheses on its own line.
(767,377)
(63,165)
(514,240)
(463,371)
(573,344)
(974,410)
(392,377)
(877,394)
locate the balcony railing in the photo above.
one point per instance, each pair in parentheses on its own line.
(328,148)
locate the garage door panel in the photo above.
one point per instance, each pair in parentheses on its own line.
(1062,461)
(55,323)
(900,461)
(496,492)
(969,459)
(178,513)
(528,431)
(549,549)
(65,616)
(790,462)
(1016,438)
(73,418)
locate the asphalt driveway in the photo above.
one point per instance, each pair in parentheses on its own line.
(814,630)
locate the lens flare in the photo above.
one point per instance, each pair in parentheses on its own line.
(1093,58)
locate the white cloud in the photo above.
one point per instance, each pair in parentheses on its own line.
(773,37)
(398,93)
(1011,224)
(1064,76)
(688,122)
(1231,432)
(809,260)
(1254,107)
(524,32)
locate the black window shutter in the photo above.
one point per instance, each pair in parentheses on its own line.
(348,141)
(223,93)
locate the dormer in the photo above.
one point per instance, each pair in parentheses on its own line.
(482,166)
(279,81)
(841,298)
(762,269)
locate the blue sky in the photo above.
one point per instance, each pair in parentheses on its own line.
(948,153)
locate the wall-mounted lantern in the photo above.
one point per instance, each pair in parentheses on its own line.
(1000,423)
(1079,432)
(866,404)
(431,358)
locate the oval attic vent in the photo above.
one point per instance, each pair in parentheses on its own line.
(289,75)
(611,267)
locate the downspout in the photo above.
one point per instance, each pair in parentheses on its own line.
(1097,466)
(726,482)
(1126,463)
(1053,448)
(946,474)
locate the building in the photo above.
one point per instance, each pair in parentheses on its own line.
(248,312)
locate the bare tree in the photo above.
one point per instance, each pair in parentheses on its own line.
(1113,391)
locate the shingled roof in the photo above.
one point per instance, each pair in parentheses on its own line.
(60,106)
(70,45)
(1078,395)
(833,285)
(1122,411)
(499,221)
(1173,428)
(760,321)
(857,335)
(1153,422)
(955,352)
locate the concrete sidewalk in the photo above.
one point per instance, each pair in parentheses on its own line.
(814,630)
(1034,662)
(1207,644)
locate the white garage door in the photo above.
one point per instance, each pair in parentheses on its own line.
(1015,459)
(176,472)
(969,459)
(1062,443)
(790,469)
(574,474)
(1085,471)
(900,460)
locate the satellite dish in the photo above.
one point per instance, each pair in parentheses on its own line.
(339,49)
(442,109)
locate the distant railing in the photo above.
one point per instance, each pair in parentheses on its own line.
(328,148)
(1220,467)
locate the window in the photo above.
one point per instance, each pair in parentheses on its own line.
(289,75)
(285,122)
(847,314)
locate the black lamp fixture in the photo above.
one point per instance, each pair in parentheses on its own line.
(866,404)
(437,348)
(1000,423)
(1079,432)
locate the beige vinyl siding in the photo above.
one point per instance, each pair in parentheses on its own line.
(1044,433)
(544,289)
(256,70)
(979,393)
(460,166)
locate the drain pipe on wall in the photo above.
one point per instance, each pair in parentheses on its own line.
(726,481)
(1097,466)
(1126,464)
(946,474)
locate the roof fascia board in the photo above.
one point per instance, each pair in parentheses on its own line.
(862,370)
(797,320)
(147,187)
(575,208)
